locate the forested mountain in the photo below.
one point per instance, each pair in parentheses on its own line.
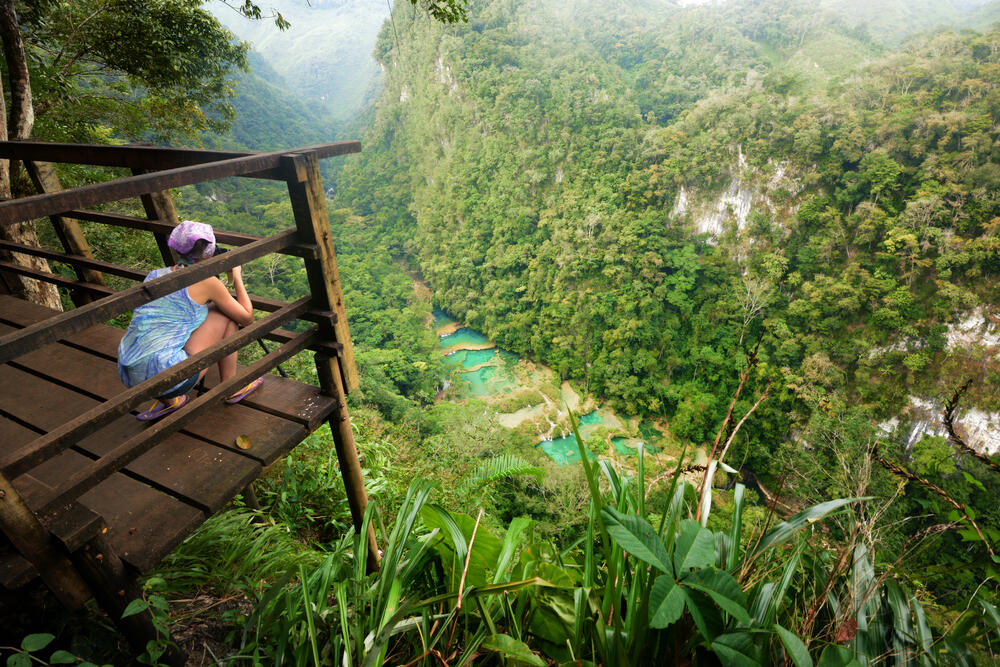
(539,170)
(324,54)
(268,115)
(637,197)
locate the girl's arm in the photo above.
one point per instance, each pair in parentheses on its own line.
(239,310)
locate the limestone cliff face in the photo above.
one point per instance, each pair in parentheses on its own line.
(975,333)
(770,191)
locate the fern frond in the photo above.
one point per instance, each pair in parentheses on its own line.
(501,467)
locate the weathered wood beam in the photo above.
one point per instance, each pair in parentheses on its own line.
(74,286)
(95,473)
(43,176)
(305,190)
(99,312)
(75,260)
(159,207)
(36,544)
(39,206)
(114,589)
(347,453)
(143,157)
(43,447)
(259,302)
(221,236)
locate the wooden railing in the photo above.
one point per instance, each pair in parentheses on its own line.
(155,171)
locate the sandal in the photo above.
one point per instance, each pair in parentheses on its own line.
(245,391)
(162,408)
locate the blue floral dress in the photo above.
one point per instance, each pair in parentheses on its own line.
(156,337)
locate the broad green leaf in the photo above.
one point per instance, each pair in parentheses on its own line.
(922,627)
(975,482)
(736,649)
(36,642)
(509,547)
(837,656)
(794,648)
(485,549)
(704,612)
(637,537)
(135,607)
(666,602)
(513,649)
(19,660)
(695,548)
(723,589)
(62,658)
(786,529)
(991,613)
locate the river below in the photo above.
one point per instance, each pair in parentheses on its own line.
(530,397)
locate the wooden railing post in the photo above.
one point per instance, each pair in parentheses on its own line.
(339,376)
(67,230)
(347,452)
(114,589)
(37,545)
(305,189)
(159,206)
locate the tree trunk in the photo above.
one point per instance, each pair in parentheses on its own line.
(20,118)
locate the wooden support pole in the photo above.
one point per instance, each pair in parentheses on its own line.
(250,497)
(305,190)
(37,545)
(347,452)
(67,230)
(159,206)
(114,589)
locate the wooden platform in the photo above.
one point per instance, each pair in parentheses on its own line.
(161,497)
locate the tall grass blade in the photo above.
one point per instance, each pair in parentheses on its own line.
(307,608)
(736,529)
(786,529)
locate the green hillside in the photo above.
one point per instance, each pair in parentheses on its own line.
(532,175)
(268,116)
(325,54)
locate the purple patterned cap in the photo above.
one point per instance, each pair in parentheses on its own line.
(186,234)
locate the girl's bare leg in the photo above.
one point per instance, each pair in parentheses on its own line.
(215,327)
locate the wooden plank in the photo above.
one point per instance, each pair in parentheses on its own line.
(143,524)
(189,469)
(221,236)
(101,311)
(142,156)
(305,189)
(13,436)
(15,570)
(199,473)
(40,206)
(97,291)
(36,544)
(285,398)
(88,422)
(100,339)
(295,400)
(88,477)
(270,437)
(75,260)
(195,471)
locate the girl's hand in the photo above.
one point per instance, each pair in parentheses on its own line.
(235,274)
